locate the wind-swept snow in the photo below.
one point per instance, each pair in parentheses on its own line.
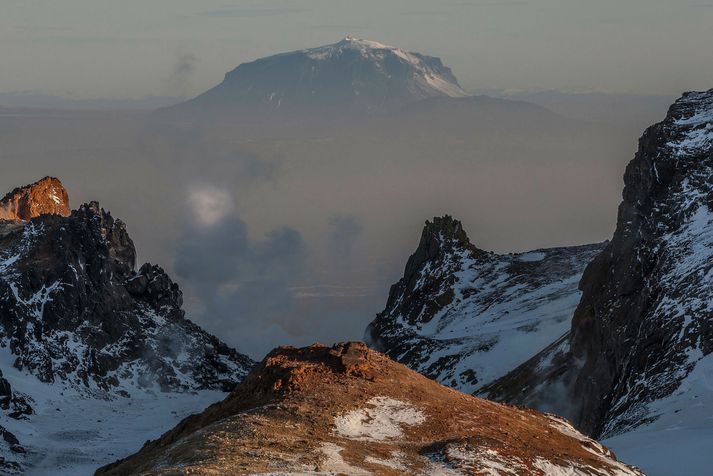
(382,420)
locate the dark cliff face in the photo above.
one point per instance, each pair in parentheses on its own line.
(465,317)
(75,313)
(645,319)
(73,309)
(645,316)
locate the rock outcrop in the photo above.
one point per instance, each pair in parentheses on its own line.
(645,322)
(44,197)
(466,317)
(350,410)
(73,308)
(76,315)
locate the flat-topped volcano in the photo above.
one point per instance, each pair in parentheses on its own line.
(352,75)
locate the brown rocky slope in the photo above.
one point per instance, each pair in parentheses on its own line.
(351,410)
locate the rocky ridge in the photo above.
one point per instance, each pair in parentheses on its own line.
(44,197)
(350,410)
(76,314)
(466,317)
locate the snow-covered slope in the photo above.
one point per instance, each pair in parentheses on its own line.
(636,367)
(72,433)
(679,440)
(466,317)
(353,75)
(78,322)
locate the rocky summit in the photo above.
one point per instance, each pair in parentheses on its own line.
(351,410)
(78,318)
(466,317)
(44,197)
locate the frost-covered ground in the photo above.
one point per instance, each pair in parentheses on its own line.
(72,434)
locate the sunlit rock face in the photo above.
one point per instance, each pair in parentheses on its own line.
(348,409)
(44,197)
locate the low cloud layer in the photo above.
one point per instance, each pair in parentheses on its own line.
(344,232)
(243,285)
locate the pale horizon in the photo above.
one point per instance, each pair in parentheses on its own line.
(133,50)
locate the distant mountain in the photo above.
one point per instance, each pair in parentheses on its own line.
(78,321)
(350,410)
(617,109)
(466,317)
(351,76)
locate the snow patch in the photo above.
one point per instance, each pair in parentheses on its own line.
(382,421)
(531,256)
(395,462)
(335,464)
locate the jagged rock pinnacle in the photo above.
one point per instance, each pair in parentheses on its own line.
(44,197)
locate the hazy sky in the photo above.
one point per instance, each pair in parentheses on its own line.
(135,48)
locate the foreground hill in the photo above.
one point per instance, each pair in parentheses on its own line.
(350,410)
(79,322)
(466,317)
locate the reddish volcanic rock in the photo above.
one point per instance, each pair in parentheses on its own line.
(350,410)
(44,197)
